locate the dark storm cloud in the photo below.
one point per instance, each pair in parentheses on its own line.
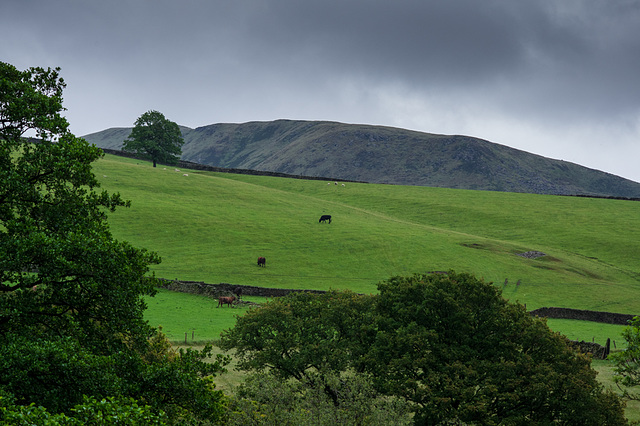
(584,51)
(554,78)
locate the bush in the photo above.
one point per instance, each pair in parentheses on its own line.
(264,399)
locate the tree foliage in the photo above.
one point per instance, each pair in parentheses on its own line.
(71,296)
(107,411)
(627,362)
(61,272)
(449,344)
(155,137)
(302,333)
(264,399)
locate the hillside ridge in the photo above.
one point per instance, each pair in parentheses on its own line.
(379,154)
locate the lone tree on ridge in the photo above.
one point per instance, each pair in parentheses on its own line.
(155,137)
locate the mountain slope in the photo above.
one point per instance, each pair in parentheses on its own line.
(380,154)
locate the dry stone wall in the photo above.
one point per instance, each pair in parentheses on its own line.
(224,289)
(583,315)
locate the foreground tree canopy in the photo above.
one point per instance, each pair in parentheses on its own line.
(71,307)
(156,138)
(447,343)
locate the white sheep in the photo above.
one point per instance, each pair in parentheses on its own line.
(343,184)
(185,174)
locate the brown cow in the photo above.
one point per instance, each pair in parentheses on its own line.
(226,301)
(262,262)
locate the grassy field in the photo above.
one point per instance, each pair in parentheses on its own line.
(211,227)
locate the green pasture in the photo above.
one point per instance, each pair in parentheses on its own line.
(212,227)
(188,318)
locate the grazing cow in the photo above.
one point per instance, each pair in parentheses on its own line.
(226,301)
(262,262)
(324,218)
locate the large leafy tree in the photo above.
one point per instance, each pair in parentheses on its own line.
(155,137)
(303,334)
(71,296)
(61,272)
(447,343)
(451,344)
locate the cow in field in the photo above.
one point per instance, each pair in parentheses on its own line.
(262,262)
(324,218)
(226,301)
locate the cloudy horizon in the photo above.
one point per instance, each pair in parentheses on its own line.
(558,79)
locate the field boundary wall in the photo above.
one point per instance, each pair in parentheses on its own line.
(225,289)
(196,166)
(583,315)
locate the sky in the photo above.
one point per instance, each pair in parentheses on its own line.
(555,78)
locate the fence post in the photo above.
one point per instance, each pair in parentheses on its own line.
(185,337)
(607,348)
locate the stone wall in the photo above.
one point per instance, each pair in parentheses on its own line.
(596,350)
(224,289)
(583,315)
(195,166)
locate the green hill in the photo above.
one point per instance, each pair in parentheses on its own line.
(212,227)
(379,154)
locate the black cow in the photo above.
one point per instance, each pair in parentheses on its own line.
(262,262)
(325,218)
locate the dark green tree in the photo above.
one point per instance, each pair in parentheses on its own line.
(452,345)
(71,296)
(303,333)
(156,138)
(448,344)
(61,272)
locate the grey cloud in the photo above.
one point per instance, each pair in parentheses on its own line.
(552,68)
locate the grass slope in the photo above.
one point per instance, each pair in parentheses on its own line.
(212,227)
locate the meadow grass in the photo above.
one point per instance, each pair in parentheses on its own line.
(211,227)
(191,319)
